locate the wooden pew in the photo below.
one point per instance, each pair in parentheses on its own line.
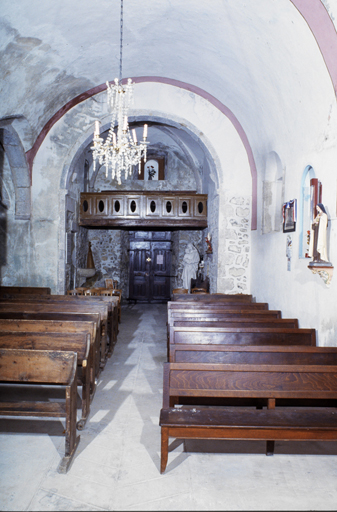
(25,290)
(221,313)
(61,311)
(56,341)
(208,312)
(228,321)
(111,303)
(117,293)
(43,367)
(288,323)
(206,306)
(212,297)
(243,335)
(64,326)
(62,316)
(187,315)
(114,314)
(240,336)
(249,354)
(317,383)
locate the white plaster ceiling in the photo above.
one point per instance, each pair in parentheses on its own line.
(259,58)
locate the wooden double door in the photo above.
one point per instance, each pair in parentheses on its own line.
(150,266)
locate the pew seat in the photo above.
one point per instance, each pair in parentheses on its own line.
(58,341)
(270,382)
(33,368)
(65,327)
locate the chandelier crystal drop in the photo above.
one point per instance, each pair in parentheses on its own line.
(119,151)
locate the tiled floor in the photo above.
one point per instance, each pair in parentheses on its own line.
(117,463)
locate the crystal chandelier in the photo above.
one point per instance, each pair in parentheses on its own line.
(119,151)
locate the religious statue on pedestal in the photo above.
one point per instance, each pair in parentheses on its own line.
(190,264)
(318,244)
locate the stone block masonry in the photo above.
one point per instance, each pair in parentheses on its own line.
(238,245)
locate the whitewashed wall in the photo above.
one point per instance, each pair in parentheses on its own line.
(297,292)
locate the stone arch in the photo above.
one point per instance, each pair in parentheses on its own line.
(220,107)
(195,116)
(13,148)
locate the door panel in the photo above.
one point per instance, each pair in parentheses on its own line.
(160,270)
(139,270)
(150,266)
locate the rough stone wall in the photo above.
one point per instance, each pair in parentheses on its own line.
(111,256)
(238,245)
(212,260)
(106,251)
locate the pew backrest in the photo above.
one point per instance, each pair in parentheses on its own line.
(291,323)
(38,366)
(51,326)
(211,297)
(200,306)
(248,354)
(269,382)
(243,335)
(218,316)
(25,290)
(57,341)
(239,336)
(61,311)
(106,306)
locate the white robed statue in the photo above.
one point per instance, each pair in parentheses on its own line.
(190,264)
(318,245)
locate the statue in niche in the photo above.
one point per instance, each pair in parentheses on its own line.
(90,259)
(318,238)
(190,264)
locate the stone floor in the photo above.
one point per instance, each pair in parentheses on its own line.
(116,466)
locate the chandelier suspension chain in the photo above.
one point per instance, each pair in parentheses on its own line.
(121,44)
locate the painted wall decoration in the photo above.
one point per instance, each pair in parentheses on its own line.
(289,252)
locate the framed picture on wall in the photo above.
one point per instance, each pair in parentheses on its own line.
(152,169)
(289,214)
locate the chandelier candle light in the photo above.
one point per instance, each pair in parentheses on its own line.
(121,151)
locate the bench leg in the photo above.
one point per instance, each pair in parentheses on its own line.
(270,445)
(72,439)
(85,397)
(103,347)
(93,380)
(164,449)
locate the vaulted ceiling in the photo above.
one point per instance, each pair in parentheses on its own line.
(264,60)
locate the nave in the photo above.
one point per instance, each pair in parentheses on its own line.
(116,466)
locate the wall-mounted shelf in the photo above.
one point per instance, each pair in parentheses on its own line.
(128,209)
(323,269)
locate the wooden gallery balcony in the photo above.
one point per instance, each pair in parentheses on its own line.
(127,209)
